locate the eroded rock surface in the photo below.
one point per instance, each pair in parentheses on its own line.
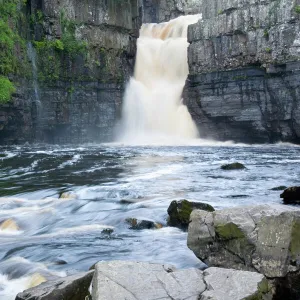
(261,238)
(119,280)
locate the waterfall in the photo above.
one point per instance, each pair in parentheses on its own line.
(153,111)
(32,57)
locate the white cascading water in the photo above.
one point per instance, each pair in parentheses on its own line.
(153,111)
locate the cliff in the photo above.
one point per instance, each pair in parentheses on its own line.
(244,62)
(68,64)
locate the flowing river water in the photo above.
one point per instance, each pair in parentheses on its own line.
(47,237)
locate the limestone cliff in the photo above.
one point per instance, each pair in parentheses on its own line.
(76,57)
(244,62)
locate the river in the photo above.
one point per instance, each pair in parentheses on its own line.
(53,237)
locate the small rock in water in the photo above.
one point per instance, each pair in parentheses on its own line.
(142,224)
(9,224)
(291,195)
(180,211)
(279,188)
(67,195)
(233,166)
(107,231)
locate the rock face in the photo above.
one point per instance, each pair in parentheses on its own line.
(179,212)
(244,71)
(119,280)
(165,10)
(74,287)
(261,238)
(291,195)
(79,56)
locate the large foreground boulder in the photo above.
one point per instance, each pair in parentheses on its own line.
(117,280)
(261,238)
(180,211)
(74,287)
(291,195)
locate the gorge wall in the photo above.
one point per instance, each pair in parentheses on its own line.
(244,61)
(70,62)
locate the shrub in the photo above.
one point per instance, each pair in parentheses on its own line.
(6,89)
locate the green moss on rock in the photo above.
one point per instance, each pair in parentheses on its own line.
(295,240)
(229,231)
(180,211)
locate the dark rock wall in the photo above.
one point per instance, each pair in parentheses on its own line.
(84,54)
(244,60)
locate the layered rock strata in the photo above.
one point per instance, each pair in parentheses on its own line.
(244,71)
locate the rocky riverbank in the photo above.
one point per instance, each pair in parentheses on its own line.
(252,252)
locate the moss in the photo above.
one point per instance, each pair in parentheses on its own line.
(13,59)
(6,89)
(268,50)
(264,291)
(229,231)
(297,9)
(266,33)
(295,240)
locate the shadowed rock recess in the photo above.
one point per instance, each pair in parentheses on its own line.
(244,70)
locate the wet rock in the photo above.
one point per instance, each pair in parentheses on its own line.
(233,166)
(107,231)
(142,224)
(9,225)
(257,238)
(279,188)
(74,287)
(180,211)
(155,281)
(291,195)
(67,195)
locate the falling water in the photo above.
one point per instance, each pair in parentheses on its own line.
(153,111)
(32,57)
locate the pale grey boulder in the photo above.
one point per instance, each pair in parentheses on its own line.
(261,238)
(118,280)
(228,284)
(75,287)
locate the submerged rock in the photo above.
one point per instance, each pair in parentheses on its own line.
(120,280)
(67,196)
(180,211)
(233,166)
(9,225)
(74,287)
(261,238)
(142,224)
(291,195)
(279,188)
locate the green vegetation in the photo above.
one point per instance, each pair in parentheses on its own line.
(266,33)
(229,231)
(6,89)
(268,50)
(220,12)
(12,47)
(297,9)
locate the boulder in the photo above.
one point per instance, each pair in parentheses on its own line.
(142,224)
(261,238)
(180,211)
(291,195)
(279,188)
(120,280)
(233,166)
(74,287)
